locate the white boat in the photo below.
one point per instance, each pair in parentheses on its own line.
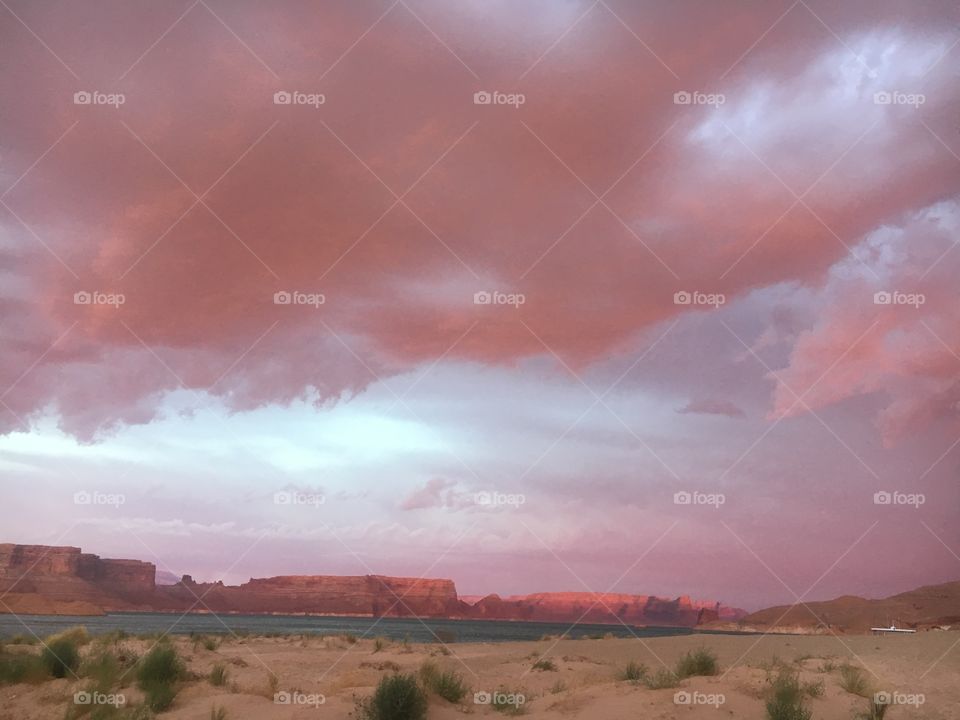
(892,629)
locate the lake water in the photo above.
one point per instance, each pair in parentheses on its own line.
(393,628)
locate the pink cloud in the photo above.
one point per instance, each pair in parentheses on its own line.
(712,406)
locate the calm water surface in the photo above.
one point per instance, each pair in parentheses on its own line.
(393,628)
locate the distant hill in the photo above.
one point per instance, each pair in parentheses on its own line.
(921,609)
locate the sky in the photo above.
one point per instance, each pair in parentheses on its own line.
(618,296)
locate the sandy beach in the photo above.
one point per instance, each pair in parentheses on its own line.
(324,677)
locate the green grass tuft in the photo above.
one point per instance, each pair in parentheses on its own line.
(157,675)
(700,662)
(60,657)
(218,675)
(786,698)
(854,681)
(634,672)
(545,665)
(397,697)
(663,679)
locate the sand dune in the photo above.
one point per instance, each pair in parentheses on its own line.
(584,684)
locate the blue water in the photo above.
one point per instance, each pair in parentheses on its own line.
(393,628)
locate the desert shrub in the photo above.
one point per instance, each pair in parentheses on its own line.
(813,689)
(159,697)
(78,635)
(218,713)
(218,675)
(157,675)
(853,680)
(397,697)
(786,698)
(449,685)
(23,640)
(827,666)
(22,669)
(349,638)
(379,644)
(633,672)
(663,679)
(428,671)
(545,664)
(205,641)
(160,666)
(113,637)
(697,663)
(60,657)
(875,711)
(103,668)
(445,683)
(558,687)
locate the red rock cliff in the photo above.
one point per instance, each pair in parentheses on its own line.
(374,595)
(67,574)
(39,578)
(601,608)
